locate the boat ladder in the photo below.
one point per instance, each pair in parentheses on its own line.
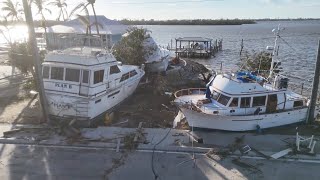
(82,109)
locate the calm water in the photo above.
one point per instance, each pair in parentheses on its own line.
(298,59)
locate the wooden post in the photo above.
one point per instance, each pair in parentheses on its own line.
(177,55)
(36,57)
(315,86)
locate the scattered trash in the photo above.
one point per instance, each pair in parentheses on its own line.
(245,149)
(281,153)
(178,134)
(237,144)
(165,106)
(213,156)
(168,93)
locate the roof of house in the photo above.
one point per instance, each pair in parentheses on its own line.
(196,39)
(75,26)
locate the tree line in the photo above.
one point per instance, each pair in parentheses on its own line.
(189,22)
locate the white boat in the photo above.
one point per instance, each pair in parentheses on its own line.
(157,58)
(242,102)
(84,82)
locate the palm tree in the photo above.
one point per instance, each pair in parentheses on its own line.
(5,32)
(86,22)
(41,8)
(83,7)
(62,5)
(13,9)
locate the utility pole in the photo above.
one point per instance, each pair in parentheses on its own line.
(36,58)
(315,87)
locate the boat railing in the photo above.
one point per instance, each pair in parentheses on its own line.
(189,91)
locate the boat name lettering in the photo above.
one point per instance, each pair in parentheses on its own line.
(61,105)
(63,85)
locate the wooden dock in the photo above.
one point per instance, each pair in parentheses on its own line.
(196,47)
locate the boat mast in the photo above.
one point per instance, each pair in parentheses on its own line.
(277,33)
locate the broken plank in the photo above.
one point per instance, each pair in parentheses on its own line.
(138,133)
(281,153)
(118,145)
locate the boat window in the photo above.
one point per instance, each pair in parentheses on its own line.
(234,102)
(45,72)
(72,75)
(133,73)
(223,99)
(114,69)
(57,73)
(298,103)
(215,95)
(259,101)
(85,76)
(124,77)
(245,102)
(98,76)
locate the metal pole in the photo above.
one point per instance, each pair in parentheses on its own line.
(315,86)
(36,58)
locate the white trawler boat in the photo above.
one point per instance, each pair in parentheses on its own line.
(84,82)
(157,58)
(243,102)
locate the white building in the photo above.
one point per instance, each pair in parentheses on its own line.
(111,31)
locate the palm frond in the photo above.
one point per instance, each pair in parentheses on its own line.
(80,7)
(96,23)
(84,20)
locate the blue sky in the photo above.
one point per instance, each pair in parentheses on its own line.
(210,9)
(202,9)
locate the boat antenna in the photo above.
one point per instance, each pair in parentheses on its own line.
(276,32)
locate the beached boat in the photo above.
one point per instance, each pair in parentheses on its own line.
(243,101)
(84,82)
(157,58)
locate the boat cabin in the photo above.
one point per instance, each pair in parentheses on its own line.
(87,77)
(230,95)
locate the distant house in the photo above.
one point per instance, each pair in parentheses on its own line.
(110,32)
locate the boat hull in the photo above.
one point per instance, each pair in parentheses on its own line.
(243,123)
(86,110)
(157,66)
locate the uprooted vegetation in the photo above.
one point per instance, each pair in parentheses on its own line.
(152,102)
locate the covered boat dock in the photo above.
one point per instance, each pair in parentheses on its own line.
(196,47)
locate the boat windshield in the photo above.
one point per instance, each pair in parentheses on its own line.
(223,99)
(215,95)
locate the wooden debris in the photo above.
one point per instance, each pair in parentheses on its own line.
(260,153)
(281,153)
(139,136)
(195,137)
(178,134)
(6,134)
(118,145)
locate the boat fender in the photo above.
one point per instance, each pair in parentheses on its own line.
(258,129)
